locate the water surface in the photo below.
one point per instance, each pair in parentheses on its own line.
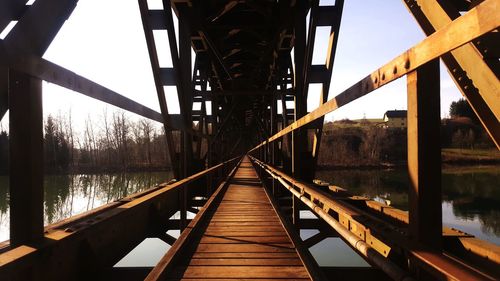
(69,195)
(470,201)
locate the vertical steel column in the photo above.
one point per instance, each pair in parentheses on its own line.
(424,155)
(185,100)
(155,66)
(4,90)
(298,136)
(26,154)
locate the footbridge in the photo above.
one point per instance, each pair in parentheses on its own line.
(243,166)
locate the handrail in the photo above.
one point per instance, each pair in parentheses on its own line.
(72,224)
(152,192)
(438,262)
(176,251)
(457,33)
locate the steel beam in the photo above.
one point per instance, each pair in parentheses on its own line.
(326,16)
(53,73)
(466,65)
(159,79)
(4,90)
(439,43)
(424,155)
(190,234)
(379,243)
(86,245)
(300,162)
(26,154)
(11,10)
(38,26)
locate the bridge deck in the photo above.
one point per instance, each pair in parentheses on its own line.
(244,238)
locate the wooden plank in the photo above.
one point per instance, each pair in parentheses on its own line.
(247,262)
(240,245)
(245,247)
(276,255)
(244,217)
(247,228)
(237,224)
(187,235)
(240,279)
(240,233)
(244,239)
(243,271)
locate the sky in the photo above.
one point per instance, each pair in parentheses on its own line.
(103,40)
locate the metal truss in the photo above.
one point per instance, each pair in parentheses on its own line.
(243,67)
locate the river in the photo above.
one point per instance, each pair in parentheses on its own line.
(471,203)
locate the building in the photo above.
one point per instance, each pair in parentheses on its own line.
(395,119)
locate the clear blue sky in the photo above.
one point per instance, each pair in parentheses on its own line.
(104,41)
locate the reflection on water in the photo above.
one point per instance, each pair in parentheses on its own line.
(471,202)
(471,196)
(69,195)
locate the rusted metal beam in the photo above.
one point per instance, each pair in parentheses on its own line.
(442,41)
(424,155)
(466,65)
(362,247)
(53,73)
(11,10)
(221,127)
(300,165)
(362,231)
(185,93)
(4,91)
(159,78)
(56,74)
(188,235)
(304,253)
(39,25)
(26,152)
(88,244)
(474,251)
(326,16)
(214,52)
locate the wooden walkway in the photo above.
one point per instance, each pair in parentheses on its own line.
(244,238)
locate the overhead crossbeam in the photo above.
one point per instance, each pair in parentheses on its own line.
(455,34)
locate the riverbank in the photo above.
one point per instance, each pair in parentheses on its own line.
(449,157)
(457,156)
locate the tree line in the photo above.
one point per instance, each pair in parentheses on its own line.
(115,142)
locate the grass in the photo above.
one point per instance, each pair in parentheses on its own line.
(458,154)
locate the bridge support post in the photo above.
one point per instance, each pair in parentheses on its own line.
(4,90)
(300,169)
(185,94)
(424,155)
(26,154)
